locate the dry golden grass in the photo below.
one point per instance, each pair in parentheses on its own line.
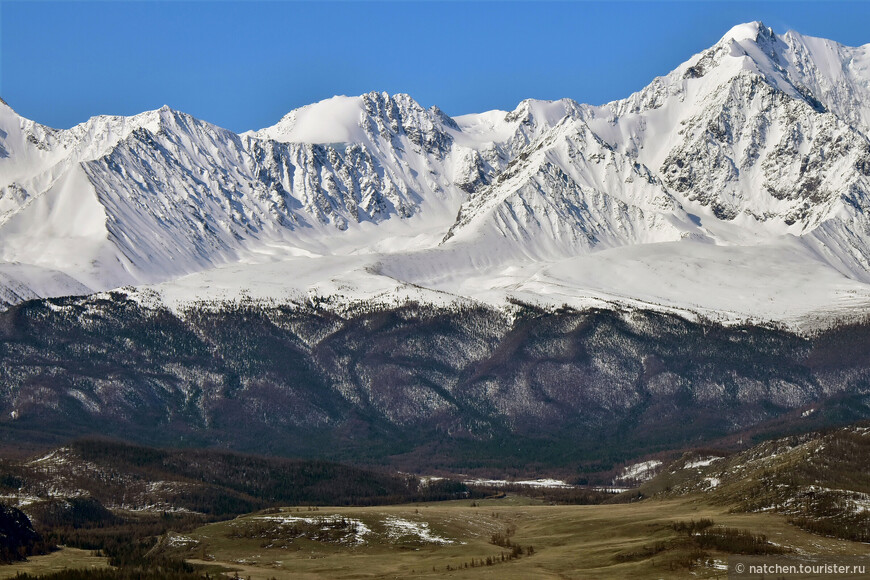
(588,542)
(63,559)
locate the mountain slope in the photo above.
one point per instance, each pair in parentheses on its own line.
(818,480)
(572,190)
(416,385)
(753,151)
(751,133)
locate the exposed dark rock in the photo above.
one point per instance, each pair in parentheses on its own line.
(18,539)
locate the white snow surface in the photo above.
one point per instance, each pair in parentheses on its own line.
(643,471)
(335,120)
(356,529)
(398,527)
(358,532)
(737,187)
(541,482)
(712,482)
(702,462)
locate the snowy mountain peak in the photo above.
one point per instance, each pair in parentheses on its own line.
(752,152)
(334,120)
(752,31)
(361,119)
(538,112)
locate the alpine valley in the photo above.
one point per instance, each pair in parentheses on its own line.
(561,287)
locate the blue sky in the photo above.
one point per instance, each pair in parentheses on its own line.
(242,65)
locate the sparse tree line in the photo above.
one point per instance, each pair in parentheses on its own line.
(696,542)
(502,540)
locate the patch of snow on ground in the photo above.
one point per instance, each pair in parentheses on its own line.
(643,471)
(702,462)
(157,507)
(178,541)
(558,483)
(55,456)
(542,482)
(358,527)
(398,527)
(719,565)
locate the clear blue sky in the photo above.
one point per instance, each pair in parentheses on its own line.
(242,65)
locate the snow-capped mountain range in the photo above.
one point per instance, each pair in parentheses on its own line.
(737,186)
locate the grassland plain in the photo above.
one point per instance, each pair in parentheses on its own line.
(455,539)
(62,559)
(802,497)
